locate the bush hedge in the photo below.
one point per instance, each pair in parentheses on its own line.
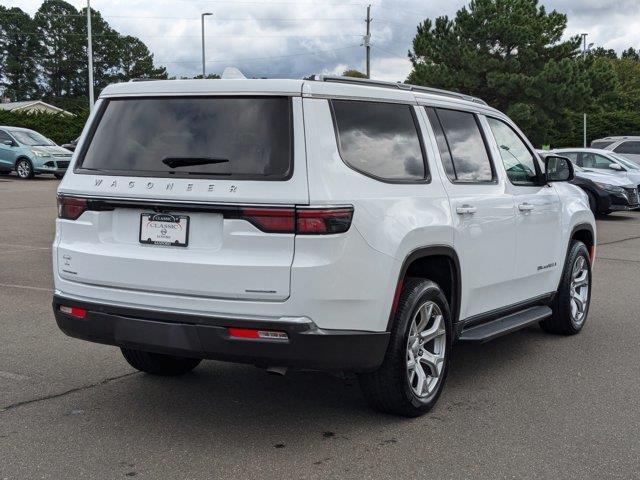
(60,128)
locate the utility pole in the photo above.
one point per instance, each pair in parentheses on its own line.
(90,55)
(367,41)
(202,21)
(584,115)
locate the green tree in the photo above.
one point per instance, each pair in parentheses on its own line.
(136,61)
(353,73)
(64,51)
(510,53)
(19,54)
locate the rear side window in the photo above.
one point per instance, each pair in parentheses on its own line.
(222,137)
(380,139)
(462,147)
(601,143)
(628,147)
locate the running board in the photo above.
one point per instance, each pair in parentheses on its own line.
(501,326)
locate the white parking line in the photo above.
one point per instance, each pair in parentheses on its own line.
(27,287)
(15,245)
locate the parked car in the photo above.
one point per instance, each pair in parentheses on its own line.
(29,153)
(330,223)
(603,161)
(607,191)
(626,146)
(71,146)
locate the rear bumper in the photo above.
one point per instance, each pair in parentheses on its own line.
(307,345)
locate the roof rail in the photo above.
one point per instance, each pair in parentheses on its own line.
(398,85)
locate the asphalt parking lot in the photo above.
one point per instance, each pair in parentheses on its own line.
(529,405)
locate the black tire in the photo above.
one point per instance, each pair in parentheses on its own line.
(388,389)
(593,204)
(563,321)
(59,176)
(159,364)
(24,169)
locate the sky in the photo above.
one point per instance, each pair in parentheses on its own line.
(296,38)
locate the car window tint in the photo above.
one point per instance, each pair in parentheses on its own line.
(441,141)
(244,137)
(517,159)
(379,139)
(466,146)
(628,147)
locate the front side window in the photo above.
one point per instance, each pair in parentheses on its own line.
(517,159)
(226,137)
(380,139)
(5,137)
(632,148)
(462,148)
(594,160)
(573,156)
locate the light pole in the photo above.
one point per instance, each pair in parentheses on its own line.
(202,21)
(90,55)
(585,49)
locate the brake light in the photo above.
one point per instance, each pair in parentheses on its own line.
(70,208)
(272,220)
(301,221)
(73,311)
(312,221)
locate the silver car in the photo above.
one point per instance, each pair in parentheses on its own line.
(603,161)
(627,146)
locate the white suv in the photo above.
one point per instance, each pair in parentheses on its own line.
(327,223)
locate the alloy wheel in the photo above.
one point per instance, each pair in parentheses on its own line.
(426,349)
(579,291)
(23,169)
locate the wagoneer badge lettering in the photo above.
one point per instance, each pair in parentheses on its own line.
(169,186)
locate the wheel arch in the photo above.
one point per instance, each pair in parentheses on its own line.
(22,157)
(428,263)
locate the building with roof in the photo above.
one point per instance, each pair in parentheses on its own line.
(32,106)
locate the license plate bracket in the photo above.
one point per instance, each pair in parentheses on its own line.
(164,229)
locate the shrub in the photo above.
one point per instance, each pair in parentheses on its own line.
(59,128)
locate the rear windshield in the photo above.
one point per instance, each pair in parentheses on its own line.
(601,143)
(246,138)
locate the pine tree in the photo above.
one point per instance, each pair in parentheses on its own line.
(19,54)
(511,54)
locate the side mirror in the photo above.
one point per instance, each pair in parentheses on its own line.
(9,143)
(617,167)
(558,169)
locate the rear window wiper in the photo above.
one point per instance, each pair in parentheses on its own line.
(176,162)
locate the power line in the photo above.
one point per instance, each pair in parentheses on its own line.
(115,35)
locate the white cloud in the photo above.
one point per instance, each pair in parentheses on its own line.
(285,38)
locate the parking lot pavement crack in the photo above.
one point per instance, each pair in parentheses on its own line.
(13,406)
(618,260)
(618,241)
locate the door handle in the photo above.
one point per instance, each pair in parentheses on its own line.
(525,207)
(466,209)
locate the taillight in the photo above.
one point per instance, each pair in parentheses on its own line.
(272,220)
(314,221)
(70,208)
(301,221)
